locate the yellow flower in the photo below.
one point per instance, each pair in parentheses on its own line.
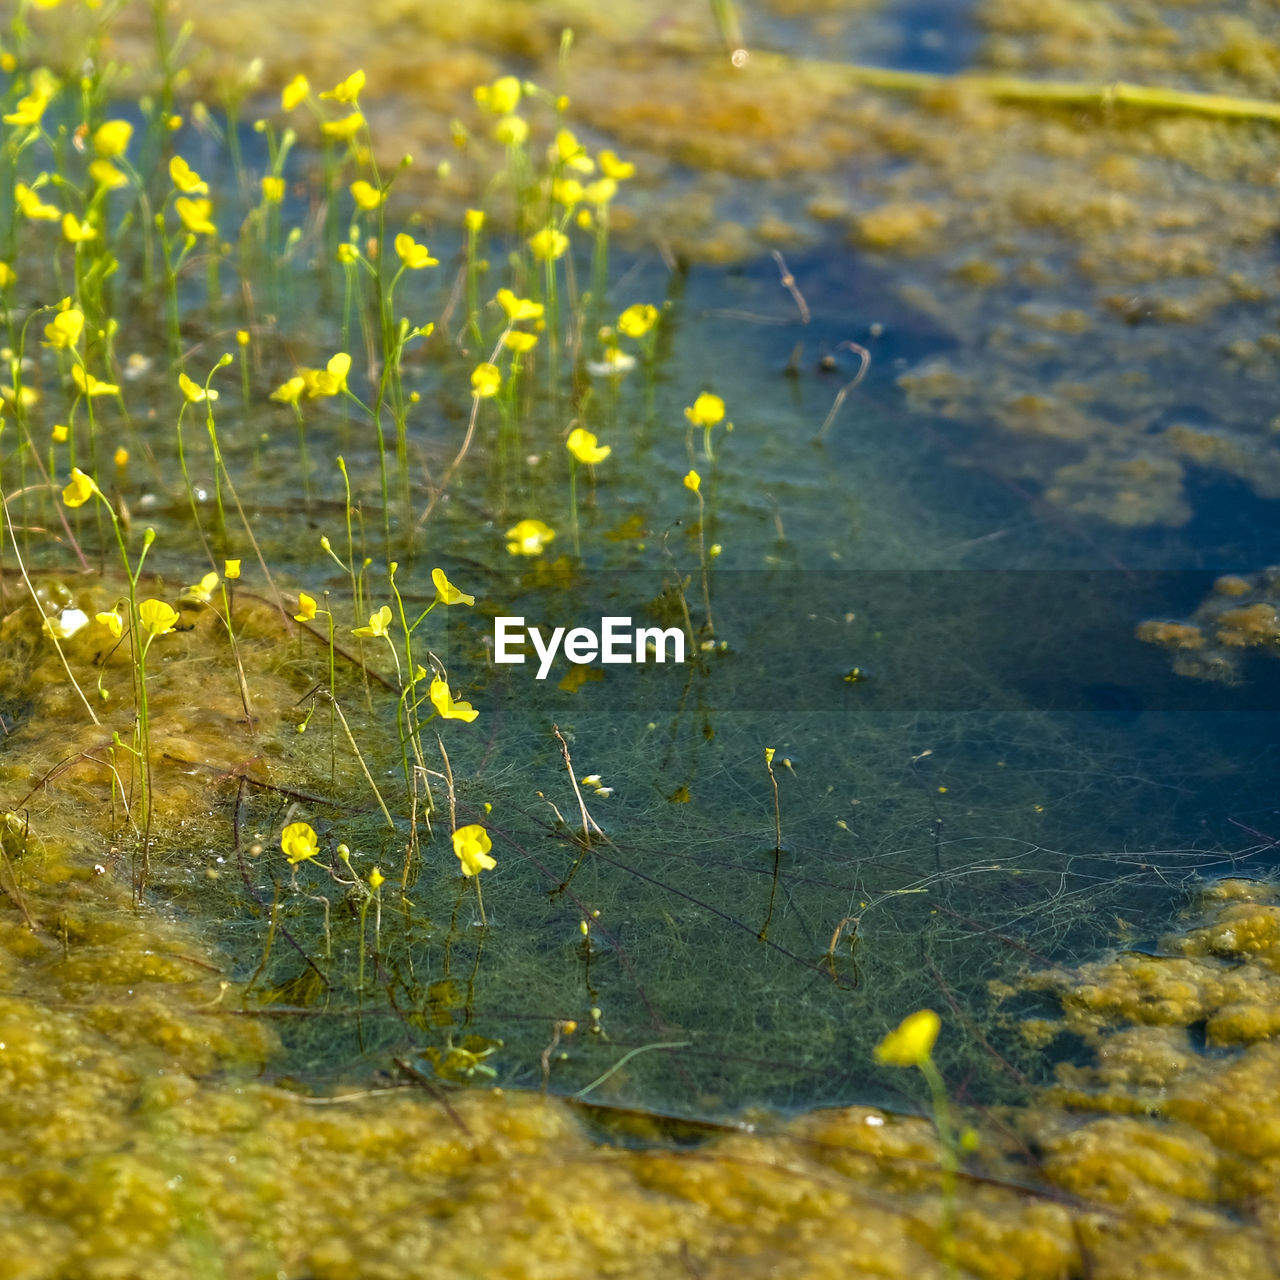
(519,342)
(347,254)
(105,174)
(693,481)
(306,608)
(347,90)
(88,385)
(472,845)
(193,391)
(121,456)
(378,624)
(298,842)
(567,150)
(157,617)
(29,109)
(511,131)
(329,381)
(376,879)
(27,397)
(912,1043)
(75,231)
(473,219)
(344,129)
(615,364)
(289,392)
(231,570)
(113,623)
(415,256)
(272,189)
(583,445)
(445,706)
(548,244)
(486,379)
(612,167)
(638,319)
(365,194)
(195,215)
(111,138)
(201,591)
(296,91)
(706,410)
(8,275)
(79,489)
(529,538)
(33,207)
(601,191)
(501,97)
(65,331)
(519,308)
(567,191)
(59,432)
(447,592)
(186,179)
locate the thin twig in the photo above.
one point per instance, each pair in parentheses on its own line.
(865,357)
(789,284)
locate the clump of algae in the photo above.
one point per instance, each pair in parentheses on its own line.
(1240,614)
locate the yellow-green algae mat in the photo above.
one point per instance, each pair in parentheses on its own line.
(139,1138)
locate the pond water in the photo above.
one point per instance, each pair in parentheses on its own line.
(977,713)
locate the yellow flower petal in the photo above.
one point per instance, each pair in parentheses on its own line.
(157,617)
(298,842)
(637,320)
(415,256)
(706,410)
(501,97)
(912,1042)
(76,232)
(195,215)
(344,129)
(518,309)
(347,90)
(113,623)
(445,706)
(365,194)
(295,91)
(80,488)
(529,538)
(66,328)
(447,592)
(584,446)
(471,844)
(111,138)
(548,244)
(486,379)
(186,179)
(378,624)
